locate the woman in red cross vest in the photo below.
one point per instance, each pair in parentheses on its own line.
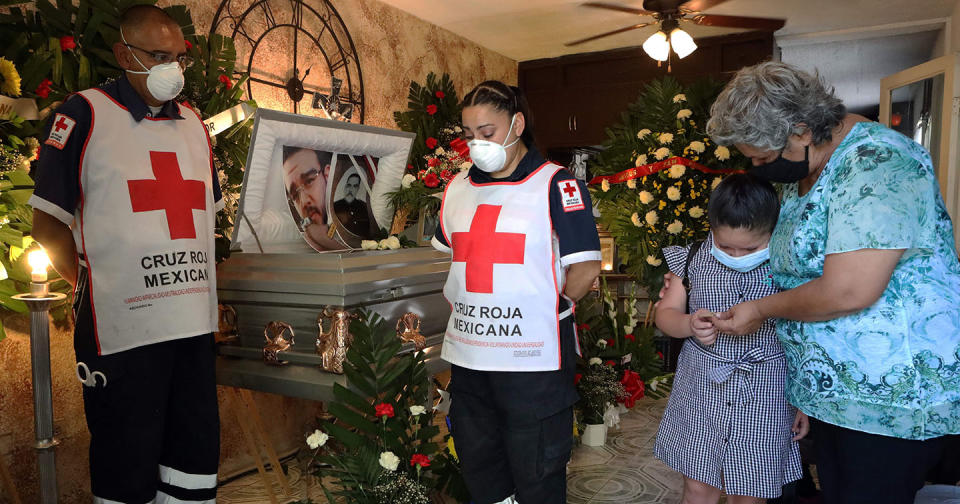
(524,247)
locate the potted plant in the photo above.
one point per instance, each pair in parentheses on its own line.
(599,389)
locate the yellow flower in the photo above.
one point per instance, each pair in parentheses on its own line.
(677,171)
(661,153)
(697,147)
(605,185)
(679,98)
(651,217)
(641,160)
(662,205)
(675,227)
(9,78)
(645,197)
(665,138)
(635,219)
(673,193)
(715,183)
(684,113)
(632,183)
(653,261)
(722,153)
(696,212)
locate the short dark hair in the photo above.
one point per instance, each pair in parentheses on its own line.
(353,175)
(509,99)
(323,157)
(134,16)
(746,201)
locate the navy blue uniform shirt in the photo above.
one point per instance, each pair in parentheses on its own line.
(57,174)
(576,230)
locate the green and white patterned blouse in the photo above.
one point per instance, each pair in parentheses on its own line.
(894,368)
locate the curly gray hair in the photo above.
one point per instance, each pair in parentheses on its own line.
(764,104)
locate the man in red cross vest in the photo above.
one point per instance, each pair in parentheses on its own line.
(524,248)
(125,201)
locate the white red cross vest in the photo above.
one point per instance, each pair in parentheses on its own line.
(145,226)
(505,275)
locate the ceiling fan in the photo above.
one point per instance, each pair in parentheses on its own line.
(670,14)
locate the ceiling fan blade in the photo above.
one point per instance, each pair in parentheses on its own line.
(700,5)
(620,8)
(765,24)
(614,32)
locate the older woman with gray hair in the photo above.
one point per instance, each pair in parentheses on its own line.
(864,252)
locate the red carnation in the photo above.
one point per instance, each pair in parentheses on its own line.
(431,109)
(610,363)
(583,327)
(433,162)
(419,459)
(629,337)
(226,80)
(67,43)
(611,342)
(431,180)
(446,175)
(409,167)
(440,94)
(43,90)
(421,174)
(384,410)
(660,355)
(576,378)
(431,143)
(188,44)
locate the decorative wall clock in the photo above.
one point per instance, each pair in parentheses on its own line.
(293,51)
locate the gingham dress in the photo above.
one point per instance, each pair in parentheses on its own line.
(728,423)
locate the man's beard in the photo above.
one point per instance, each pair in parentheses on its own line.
(314,214)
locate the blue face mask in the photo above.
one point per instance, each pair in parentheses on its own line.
(743,263)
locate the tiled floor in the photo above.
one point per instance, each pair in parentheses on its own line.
(623,471)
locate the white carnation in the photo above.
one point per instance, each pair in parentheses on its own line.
(673,194)
(665,138)
(679,98)
(645,197)
(661,153)
(677,171)
(683,114)
(595,361)
(408,180)
(317,439)
(389,461)
(653,261)
(675,227)
(417,410)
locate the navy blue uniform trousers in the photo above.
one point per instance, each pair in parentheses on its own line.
(513,431)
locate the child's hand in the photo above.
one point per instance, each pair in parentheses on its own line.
(701,325)
(801,426)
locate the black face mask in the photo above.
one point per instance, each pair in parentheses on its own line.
(784,171)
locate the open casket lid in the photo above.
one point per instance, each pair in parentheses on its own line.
(265,222)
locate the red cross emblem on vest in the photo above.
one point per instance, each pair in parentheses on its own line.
(482,247)
(570,188)
(61,125)
(169,192)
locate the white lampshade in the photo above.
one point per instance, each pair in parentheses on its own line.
(657,46)
(682,42)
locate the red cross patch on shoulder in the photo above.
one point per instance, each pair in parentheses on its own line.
(60,132)
(570,195)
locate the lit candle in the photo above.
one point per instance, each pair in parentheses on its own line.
(39,262)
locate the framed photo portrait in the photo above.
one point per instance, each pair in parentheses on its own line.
(317,183)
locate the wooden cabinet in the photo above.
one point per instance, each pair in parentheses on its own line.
(573,99)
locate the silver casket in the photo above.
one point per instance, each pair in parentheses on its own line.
(274,274)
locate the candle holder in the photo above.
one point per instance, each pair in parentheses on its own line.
(39,301)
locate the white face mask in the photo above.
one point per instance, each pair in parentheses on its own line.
(490,156)
(164,81)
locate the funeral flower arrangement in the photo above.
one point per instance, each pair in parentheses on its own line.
(613,337)
(655,176)
(381,445)
(438,152)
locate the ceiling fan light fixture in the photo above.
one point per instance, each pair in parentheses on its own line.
(682,43)
(657,47)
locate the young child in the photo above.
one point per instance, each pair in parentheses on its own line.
(727,424)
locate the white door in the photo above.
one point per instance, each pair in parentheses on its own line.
(922,102)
